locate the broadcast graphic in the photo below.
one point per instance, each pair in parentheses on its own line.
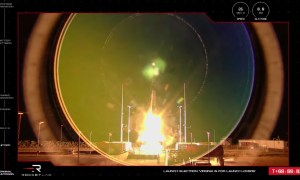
(176,92)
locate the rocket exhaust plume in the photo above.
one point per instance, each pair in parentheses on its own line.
(151,136)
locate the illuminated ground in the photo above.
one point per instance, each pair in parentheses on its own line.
(232,158)
(254,157)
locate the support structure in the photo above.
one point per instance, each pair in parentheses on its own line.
(61,126)
(78,147)
(19,124)
(208,146)
(128,125)
(39,131)
(121,124)
(185,125)
(180,125)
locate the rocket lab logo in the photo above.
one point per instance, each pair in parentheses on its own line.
(35,168)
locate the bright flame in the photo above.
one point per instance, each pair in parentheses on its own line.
(151,136)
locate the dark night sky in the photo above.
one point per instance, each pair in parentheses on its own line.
(281,128)
(26,23)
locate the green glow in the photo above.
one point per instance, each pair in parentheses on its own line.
(180,100)
(154,69)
